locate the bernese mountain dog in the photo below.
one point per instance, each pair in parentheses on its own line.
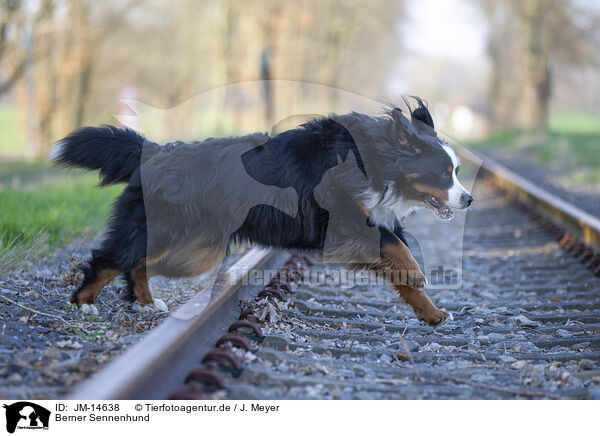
(184,204)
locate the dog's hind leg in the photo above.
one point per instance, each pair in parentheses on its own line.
(128,294)
(97,275)
(141,289)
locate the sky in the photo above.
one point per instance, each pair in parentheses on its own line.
(445,28)
(449,29)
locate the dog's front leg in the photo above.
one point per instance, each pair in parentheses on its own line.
(422,305)
(138,279)
(404,274)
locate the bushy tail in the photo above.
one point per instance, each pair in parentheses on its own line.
(116,152)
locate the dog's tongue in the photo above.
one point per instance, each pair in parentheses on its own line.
(445,212)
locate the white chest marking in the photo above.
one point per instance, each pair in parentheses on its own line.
(389,208)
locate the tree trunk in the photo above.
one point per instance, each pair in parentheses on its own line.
(536,83)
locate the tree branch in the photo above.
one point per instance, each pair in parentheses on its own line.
(13,78)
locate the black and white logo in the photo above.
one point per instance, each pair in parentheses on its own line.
(26,415)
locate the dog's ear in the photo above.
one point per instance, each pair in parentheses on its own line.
(420,117)
(401,124)
(404,133)
(397,114)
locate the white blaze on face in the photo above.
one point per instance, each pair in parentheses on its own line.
(456,191)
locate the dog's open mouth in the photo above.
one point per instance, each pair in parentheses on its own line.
(439,207)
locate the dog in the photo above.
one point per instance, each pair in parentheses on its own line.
(184,204)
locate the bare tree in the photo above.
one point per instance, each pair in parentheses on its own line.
(14,20)
(528,41)
(86,51)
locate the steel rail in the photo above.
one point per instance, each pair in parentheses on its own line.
(151,368)
(585,226)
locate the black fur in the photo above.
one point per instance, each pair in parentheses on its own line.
(385,149)
(421,114)
(297,158)
(114,151)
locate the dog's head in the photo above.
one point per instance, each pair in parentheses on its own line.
(420,169)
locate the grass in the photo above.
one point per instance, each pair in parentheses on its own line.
(572,141)
(505,138)
(12,136)
(574,122)
(20,174)
(36,218)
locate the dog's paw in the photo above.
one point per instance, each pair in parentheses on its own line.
(418,280)
(437,318)
(89,308)
(449,318)
(160,305)
(157,306)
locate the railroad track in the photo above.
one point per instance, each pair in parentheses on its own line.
(526,322)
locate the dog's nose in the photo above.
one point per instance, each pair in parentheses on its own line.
(467,199)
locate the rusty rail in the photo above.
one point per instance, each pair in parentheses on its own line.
(190,353)
(577,231)
(163,359)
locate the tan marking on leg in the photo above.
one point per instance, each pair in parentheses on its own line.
(90,292)
(398,261)
(140,284)
(190,260)
(422,305)
(401,270)
(359,252)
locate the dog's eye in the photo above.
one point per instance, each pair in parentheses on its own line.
(457,169)
(445,174)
